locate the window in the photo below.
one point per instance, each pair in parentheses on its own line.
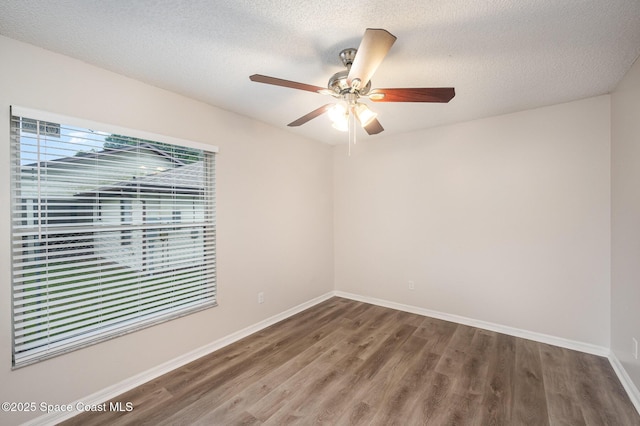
(112,230)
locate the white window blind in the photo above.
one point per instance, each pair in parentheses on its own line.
(110,233)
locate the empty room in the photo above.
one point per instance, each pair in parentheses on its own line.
(275,212)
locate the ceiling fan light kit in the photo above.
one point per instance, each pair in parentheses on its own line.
(349,85)
(364,114)
(339,114)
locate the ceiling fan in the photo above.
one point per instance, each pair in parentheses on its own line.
(355,82)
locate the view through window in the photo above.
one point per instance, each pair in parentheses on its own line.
(110,233)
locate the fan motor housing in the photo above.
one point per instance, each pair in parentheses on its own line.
(338,82)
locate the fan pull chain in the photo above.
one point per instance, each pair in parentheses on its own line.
(351,121)
(353,126)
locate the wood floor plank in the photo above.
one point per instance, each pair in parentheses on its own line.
(469,385)
(235,355)
(413,386)
(342,380)
(529,400)
(376,361)
(455,397)
(433,406)
(403,383)
(363,340)
(387,379)
(597,400)
(456,350)
(461,410)
(499,387)
(564,409)
(475,367)
(303,389)
(298,368)
(348,362)
(197,401)
(608,381)
(438,333)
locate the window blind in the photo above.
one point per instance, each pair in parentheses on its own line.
(110,233)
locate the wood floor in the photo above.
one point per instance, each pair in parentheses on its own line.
(347,362)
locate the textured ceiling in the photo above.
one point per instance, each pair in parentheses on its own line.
(500,55)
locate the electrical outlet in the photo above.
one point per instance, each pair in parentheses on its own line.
(412,285)
(261,297)
(634,347)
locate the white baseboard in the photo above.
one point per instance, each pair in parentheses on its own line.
(627,383)
(139,379)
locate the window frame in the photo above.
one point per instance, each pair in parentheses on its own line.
(46,118)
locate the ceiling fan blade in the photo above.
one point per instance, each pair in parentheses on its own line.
(310,116)
(374,127)
(416,94)
(285,83)
(373,48)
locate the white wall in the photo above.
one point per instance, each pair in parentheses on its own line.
(503,220)
(625,260)
(274,209)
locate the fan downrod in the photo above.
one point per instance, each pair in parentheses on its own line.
(347,56)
